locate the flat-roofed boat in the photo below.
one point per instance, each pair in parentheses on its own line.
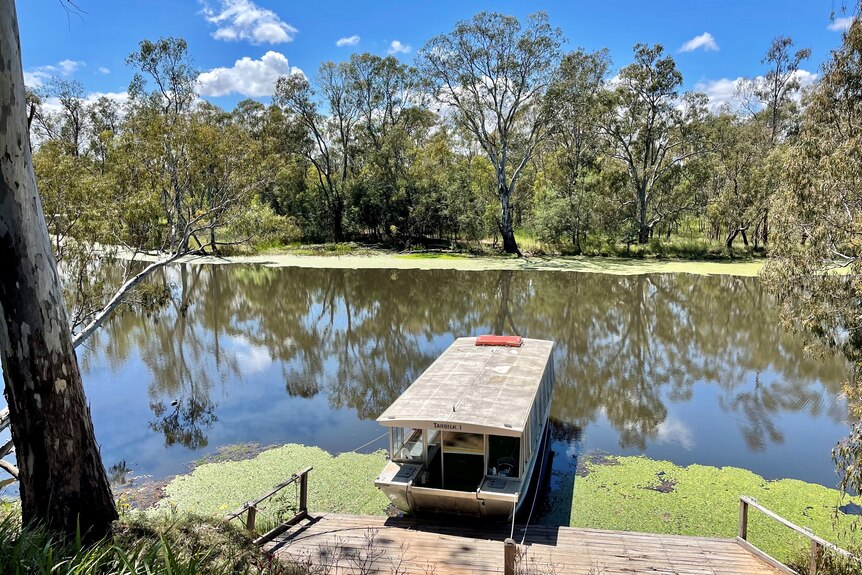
(466,436)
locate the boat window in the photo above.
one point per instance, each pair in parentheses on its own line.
(458,442)
(503,454)
(433,437)
(407,444)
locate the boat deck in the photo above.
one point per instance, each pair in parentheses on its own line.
(362,544)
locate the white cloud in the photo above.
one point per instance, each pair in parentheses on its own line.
(705,41)
(396,47)
(247,77)
(347,41)
(69,67)
(805,78)
(720,92)
(724,91)
(675,431)
(840,24)
(52,104)
(250,357)
(245,20)
(37,77)
(103,70)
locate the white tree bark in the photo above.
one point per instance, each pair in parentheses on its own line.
(63,481)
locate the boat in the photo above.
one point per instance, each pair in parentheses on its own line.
(466,436)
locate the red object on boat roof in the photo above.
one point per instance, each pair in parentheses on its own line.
(500,340)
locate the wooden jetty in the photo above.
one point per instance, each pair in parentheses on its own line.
(333,544)
(362,544)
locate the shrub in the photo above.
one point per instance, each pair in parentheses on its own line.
(151,545)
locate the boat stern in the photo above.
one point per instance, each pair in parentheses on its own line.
(395,480)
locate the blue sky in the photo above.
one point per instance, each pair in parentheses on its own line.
(242,45)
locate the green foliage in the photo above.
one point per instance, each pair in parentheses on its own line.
(493,72)
(340,484)
(156,545)
(817,228)
(652,133)
(375,151)
(260,225)
(620,493)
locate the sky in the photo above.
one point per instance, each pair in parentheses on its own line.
(242,46)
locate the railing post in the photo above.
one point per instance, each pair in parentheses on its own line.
(250,518)
(303,493)
(509,557)
(743,519)
(815,551)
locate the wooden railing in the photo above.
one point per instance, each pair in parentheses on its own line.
(251,508)
(818,544)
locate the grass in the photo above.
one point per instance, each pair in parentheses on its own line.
(686,246)
(327,249)
(640,494)
(145,545)
(434,256)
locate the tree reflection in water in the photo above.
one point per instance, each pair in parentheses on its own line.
(627,346)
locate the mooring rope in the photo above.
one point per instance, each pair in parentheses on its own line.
(535,497)
(379,437)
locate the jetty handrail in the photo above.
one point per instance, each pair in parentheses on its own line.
(250,507)
(817,543)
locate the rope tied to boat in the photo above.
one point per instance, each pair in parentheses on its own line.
(535,497)
(379,437)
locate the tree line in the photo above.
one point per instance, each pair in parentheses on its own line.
(492,128)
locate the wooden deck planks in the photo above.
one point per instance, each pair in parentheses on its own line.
(362,544)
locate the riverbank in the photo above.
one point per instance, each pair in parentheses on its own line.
(432,261)
(604,492)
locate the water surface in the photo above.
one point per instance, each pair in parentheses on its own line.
(686,368)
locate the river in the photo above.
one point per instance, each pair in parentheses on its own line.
(691,369)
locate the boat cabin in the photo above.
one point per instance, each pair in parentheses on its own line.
(466,435)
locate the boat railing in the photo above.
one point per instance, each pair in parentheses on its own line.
(817,544)
(251,508)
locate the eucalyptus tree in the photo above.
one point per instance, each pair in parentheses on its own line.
(575,145)
(492,73)
(165,173)
(62,479)
(651,131)
(771,102)
(324,138)
(735,173)
(775,91)
(817,212)
(392,124)
(105,121)
(70,123)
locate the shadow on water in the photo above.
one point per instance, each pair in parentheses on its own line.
(680,367)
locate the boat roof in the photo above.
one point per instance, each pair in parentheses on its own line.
(474,389)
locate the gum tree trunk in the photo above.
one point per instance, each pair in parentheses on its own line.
(507,231)
(643,227)
(62,478)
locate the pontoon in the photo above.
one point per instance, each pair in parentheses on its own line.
(466,436)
